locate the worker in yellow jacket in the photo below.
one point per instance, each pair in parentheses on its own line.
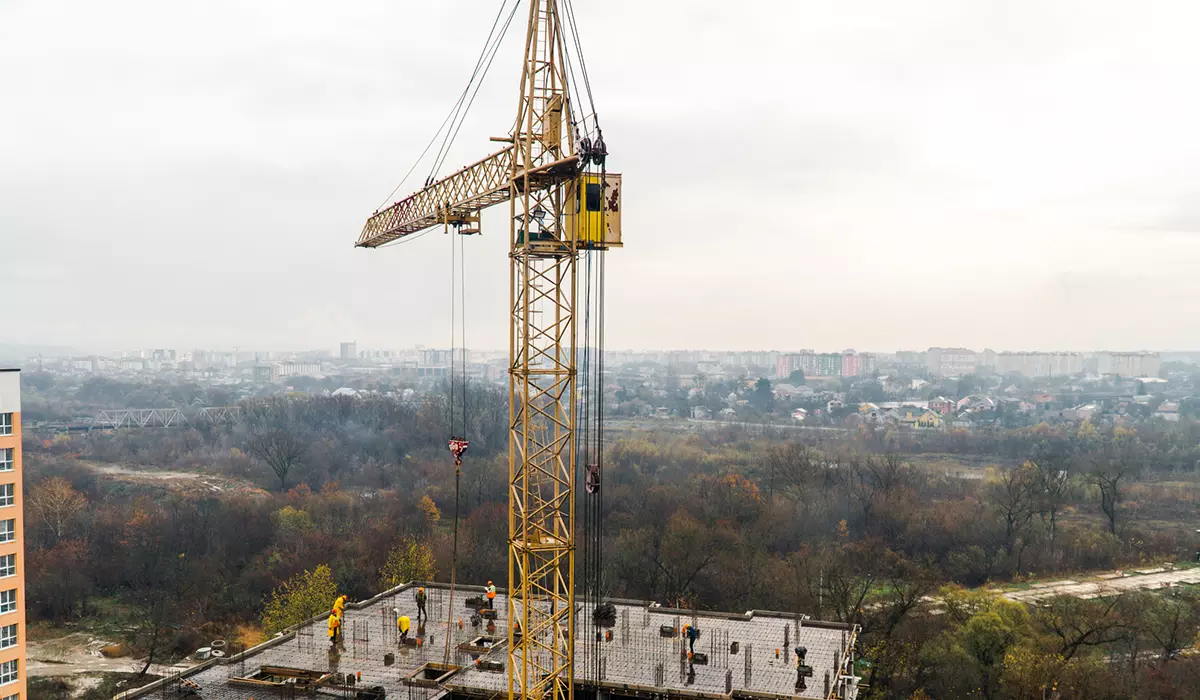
(339,605)
(335,627)
(403,623)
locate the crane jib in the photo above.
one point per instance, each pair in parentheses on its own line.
(476,187)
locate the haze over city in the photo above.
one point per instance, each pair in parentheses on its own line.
(1012,175)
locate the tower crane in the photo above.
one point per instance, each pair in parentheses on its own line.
(562,202)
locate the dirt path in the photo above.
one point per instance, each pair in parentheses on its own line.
(80,653)
(1113,583)
(187,481)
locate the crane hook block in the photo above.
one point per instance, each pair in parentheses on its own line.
(457,447)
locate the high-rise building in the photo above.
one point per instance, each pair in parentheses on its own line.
(826,364)
(857,364)
(348,351)
(1039,364)
(829,364)
(951,362)
(12,541)
(1130,364)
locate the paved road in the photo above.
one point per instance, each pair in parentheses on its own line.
(1113,583)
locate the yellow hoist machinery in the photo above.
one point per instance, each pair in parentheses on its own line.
(564,207)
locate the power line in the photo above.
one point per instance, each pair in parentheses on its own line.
(450,138)
(453,110)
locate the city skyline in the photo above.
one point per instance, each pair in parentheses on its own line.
(334,350)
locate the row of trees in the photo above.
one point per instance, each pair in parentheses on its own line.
(840,529)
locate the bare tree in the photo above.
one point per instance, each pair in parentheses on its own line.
(1052,486)
(1013,497)
(279,448)
(1079,623)
(794,470)
(1109,468)
(1172,623)
(57,505)
(873,480)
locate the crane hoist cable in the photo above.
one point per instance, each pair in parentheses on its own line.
(569,12)
(453,564)
(455,109)
(591,452)
(452,133)
(458,442)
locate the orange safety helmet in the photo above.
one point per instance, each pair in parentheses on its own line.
(420,590)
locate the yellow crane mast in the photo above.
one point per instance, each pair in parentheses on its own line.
(559,205)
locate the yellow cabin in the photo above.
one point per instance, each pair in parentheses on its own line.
(595,218)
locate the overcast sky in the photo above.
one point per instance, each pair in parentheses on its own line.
(799,174)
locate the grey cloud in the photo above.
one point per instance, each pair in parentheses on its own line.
(798,175)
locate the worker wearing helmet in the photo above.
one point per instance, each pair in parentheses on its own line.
(335,625)
(491,595)
(420,597)
(339,605)
(402,624)
(691,633)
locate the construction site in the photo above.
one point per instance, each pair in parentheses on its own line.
(461,652)
(554,633)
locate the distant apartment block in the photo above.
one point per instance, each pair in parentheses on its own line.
(1039,364)
(858,364)
(431,357)
(348,351)
(825,364)
(951,362)
(12,540)
(1129,364)
(280,370)
(910,358)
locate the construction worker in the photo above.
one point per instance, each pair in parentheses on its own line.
(402,624)
(491,595)
(420,596)
(339,605)
(691,633)
(335,626)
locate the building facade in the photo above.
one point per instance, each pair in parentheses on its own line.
(1130,364)
(858,364)
(951,362)
(348,351)
(12,540)
(826,364)
(1039,364)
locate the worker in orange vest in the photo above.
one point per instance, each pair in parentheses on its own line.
(491,595)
